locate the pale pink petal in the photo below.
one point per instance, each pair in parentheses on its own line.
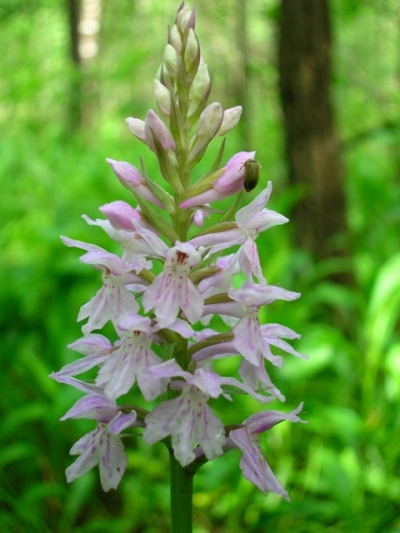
(203,198)
(157,245)
(265,420)
(97,256)
(151,293)
(111,302)
(117,375)
(249,261)
(235,383)
(219,240)
(155,129)
(120,215)
(89,455)
(93,406)
(253,465)
(169,369)
(131,361)
(188,420)
(255,295)
(234,309)
(214,350)
(264,220)
(198,217)
(131,321)
(88,388)
(221,281)
(248,211)
(190,301)
(257,378)
(92,344)
(277,330)
(162,295)
(232,179)
(82,365)
(208,382)
(103,448)
(113,462)
(247,339)
(172,290)
(282,345)
(122,421)
(182,327)
(129,176)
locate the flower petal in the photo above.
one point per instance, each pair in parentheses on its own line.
(253,465)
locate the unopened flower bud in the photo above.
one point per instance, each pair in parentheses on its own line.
(200,88)
(163,75)
(209,124)
(171,60)
(175,38)
(126,171)
(130,178)
(155,129)
(231,118)
(198,217)
(210,121)
(192,50)
(136,126)
(163,98)
(120,214)
(232,179)
(186,18)
(229,182)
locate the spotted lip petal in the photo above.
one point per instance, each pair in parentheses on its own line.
(172,290)
(129,363)
(103,448)
(189,420)
(111,302)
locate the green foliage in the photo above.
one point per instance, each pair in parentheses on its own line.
(342,469)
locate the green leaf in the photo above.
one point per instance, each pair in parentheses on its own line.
(175,121)
(232,210)
(154,219)
(218,160)
(167,169)
(160,193)
(204,184)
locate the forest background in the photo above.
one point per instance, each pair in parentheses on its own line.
(322,112)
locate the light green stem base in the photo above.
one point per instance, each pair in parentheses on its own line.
(181,497)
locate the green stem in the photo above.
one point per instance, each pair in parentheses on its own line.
(181,497)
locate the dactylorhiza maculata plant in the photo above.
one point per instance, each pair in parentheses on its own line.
(165,347)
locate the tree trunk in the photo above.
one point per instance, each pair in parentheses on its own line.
(74,111)
(311,143)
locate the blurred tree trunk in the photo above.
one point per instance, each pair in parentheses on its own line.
(311,144)
(74,111)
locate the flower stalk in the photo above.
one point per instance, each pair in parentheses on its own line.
(181,490)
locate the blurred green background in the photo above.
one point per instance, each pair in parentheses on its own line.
(59,120)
